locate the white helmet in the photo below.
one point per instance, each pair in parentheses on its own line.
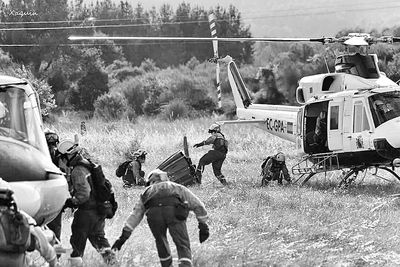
(68,146)
(156,176)
(215,127)
(140,153)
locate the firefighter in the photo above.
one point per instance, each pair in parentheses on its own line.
(52,140)
(87,222)
(25,236)
(167,205)
(274,168)
(216,156)
(134,175)
(320,134)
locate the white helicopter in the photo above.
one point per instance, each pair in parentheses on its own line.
(360,106)
(40,188)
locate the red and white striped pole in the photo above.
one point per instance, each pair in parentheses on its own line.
(213,27)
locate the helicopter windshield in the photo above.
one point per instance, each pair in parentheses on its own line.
(384,106)
(19,116)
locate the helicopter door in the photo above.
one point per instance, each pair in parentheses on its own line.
(299,130)
(335,124)
(361,129)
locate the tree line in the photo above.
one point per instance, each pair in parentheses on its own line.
(126,79)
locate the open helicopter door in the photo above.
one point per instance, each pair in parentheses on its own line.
(335,124)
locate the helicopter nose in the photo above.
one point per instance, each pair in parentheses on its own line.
(390,131)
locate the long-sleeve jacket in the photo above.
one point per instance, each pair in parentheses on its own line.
(42,244)
(136,168)
(218,142)
(166,188)
(81,187)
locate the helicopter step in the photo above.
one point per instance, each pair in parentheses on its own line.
(315,163)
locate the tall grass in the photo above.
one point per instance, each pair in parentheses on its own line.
(316,225)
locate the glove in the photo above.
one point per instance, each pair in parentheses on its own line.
(198,145)
(204,232)
(69,204)
(121,240)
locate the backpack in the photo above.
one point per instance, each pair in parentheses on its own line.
(103,192)
(263,165)
(121,170)
(14,227)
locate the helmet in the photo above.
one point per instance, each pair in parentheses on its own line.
(156,176)
(140,153)
(214,128)
(51,137)
(68,146)
(280,157)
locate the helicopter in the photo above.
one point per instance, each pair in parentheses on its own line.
(358,105)
(40,188)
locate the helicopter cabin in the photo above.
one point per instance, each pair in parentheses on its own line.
(353,121)
(352,72)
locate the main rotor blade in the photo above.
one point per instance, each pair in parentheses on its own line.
(220,39)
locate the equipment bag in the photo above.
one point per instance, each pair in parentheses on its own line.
(14,229)
(122,168)
(103,192)
(263,165)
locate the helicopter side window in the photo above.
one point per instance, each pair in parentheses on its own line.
(360,119)
(334,121)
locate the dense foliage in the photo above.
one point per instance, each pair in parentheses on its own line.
(149,75)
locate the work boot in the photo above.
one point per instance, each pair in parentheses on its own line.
(108,256)
(75,262)
(198,176)
(221,178)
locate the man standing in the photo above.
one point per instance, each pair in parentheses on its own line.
(274,168)
(52,140)
(87,222)
(167,205)
(216,156)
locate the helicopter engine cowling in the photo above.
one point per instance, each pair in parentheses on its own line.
(40,188)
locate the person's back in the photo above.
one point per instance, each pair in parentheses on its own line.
(19,235)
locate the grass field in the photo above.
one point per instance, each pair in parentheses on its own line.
(313,225)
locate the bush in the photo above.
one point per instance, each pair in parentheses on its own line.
(176,109)
(112,106)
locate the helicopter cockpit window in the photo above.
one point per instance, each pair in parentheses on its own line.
(19,117)
(384,107)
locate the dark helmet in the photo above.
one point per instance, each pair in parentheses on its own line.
(51,137)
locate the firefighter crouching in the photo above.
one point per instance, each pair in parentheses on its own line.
(274,168)
(167,205)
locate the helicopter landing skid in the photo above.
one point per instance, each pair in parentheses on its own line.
(360,174)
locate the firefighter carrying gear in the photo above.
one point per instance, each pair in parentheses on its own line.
(161,202)
(216,156)
(274,168)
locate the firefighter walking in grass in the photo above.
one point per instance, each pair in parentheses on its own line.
(167,205)
(216,156)
(88,223)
